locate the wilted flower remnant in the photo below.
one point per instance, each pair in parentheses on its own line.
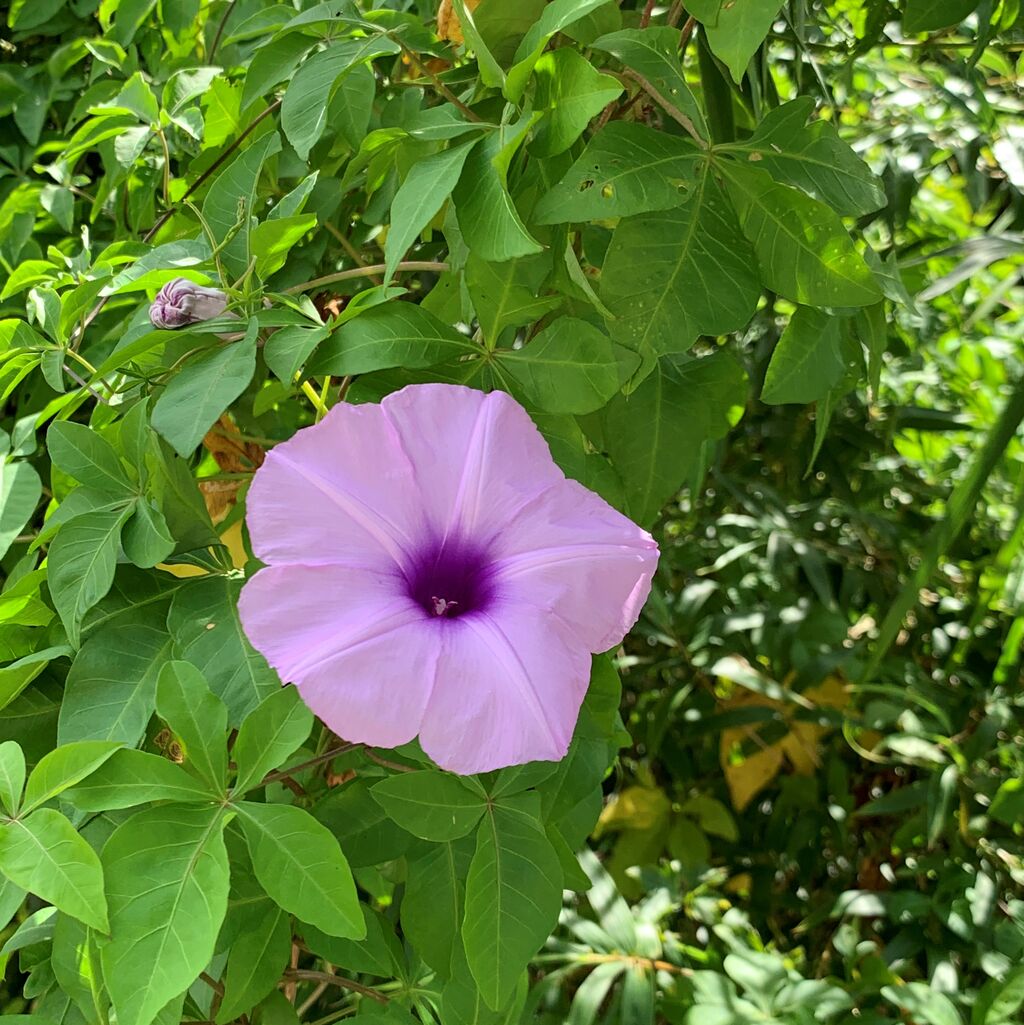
(182,302)
(431,571)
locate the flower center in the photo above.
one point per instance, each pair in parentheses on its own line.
(450,580)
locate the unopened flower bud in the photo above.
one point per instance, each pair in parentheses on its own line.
(182,302)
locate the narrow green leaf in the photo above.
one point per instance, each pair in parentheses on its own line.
(20,490)
(83,454)
(268,735)
(430,804)
(807,362)
(12,777)
(255,963)
(130,778)
(300,865)
(43,854)
(198,718)
(64,767)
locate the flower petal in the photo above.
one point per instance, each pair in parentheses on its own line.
(509,687)
(360,651)
(477,457)
(572,554)
(337,492)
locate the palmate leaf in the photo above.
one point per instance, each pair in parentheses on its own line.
(167,887)
(513,896)
(681,273)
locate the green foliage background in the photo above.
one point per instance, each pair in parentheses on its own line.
(755,269)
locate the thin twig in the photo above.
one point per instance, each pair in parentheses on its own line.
(437,83)
(85,384)
(354,253)
(364,272)
(316,994)
(210,981)
(674,14)
(336,980)
(673,111)
(684,36)
(319,760)
(645,18)
(397,766)
(220,30)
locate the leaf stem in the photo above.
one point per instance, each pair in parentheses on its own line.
(335,980)
(364,272)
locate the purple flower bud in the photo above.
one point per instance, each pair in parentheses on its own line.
(182,302)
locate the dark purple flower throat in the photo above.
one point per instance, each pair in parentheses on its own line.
(451,579)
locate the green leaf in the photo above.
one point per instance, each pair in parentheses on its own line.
(167,873)
(652,55)
(513,896)
(807,362)
(289,347)
(352,105)
(111,689)
(81,563)
(198,718)
(491,73)
(43,854)
(378,953)
(272,240)
(231,201)
(570,367)
(570,91)
(504,294)
(207,632)
(272,63)
(813,158)
(930,15)
(145,537)
(486,213)
(12,777)
(20,489)
(655,435)
(432,905)
(673,276)
(999,999)
(804,252)
(83,454)
(300,865)
(735,30)
(430,804)
(393,334)
(64,767)
(171,256)
(927,1005)
(428,184)
(269,734)
(202,389)
(626,169)
(129,778)
(306,100)
(255,963)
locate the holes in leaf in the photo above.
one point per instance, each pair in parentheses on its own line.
(587,183)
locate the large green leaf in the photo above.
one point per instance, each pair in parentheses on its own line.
(486,211)
(110,691)
(202,389)
(430,804)
(505,294)
(570,91)
(198,718)
(652,55)
(655,435)
(300,865)
(304,108)
(813,158)
(513,896)
(807,361)
(20,489)
(570,367)
(230,203)
(681,273)
(81,564)
(804,252)
(167,886)
(42,853)
(62,768)
(736,30)
(390,335)
(129,778)
(432,904)
(207,632)
(269,734)
(929,15)
(86,456)
(627,168)
(428,184)
(255,962)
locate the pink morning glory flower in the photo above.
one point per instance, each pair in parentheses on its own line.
(182,302)
(431,571)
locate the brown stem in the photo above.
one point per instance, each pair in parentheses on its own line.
(673,111)
(354,253)
(437,83)
(674,14)
(220,30)
(684,36)
(336,980)
(645,18)
(327,756)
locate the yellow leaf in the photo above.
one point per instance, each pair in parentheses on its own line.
(448,26)
(752,775)
(639,808)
